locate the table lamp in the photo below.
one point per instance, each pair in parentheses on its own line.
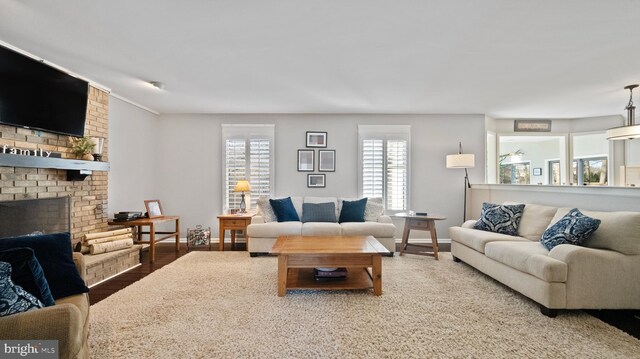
(242,186)
(462,160)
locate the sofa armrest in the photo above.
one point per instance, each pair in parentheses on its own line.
(599,278)
(257,220)
(61,322)
(78,259)
(469,224)
(384,219)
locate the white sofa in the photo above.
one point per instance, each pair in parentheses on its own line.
(262,235)
(601,274)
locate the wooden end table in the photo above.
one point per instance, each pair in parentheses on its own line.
(423,223)
(137,225)
(299,255)
(233,223)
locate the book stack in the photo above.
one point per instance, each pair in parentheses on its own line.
(126,216)
(330,274)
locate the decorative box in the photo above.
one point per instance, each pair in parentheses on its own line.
(198,237)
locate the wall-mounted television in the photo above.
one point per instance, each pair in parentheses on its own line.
(37,96)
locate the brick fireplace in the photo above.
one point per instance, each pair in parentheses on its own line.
(89,198)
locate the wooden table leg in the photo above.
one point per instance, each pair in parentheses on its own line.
(152,245)
(434,238)
(233,239)
(221,243)
(178,235)
(376,270)
(282,275)
(405,236)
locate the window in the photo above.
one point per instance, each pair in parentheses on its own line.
(515,173)
(590,171)
(248,154)
(384,155)
(554,173)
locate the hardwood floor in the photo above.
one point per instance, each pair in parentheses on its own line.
(625,320)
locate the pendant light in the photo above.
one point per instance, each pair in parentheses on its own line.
(630,130)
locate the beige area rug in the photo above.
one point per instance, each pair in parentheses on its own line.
(225,305)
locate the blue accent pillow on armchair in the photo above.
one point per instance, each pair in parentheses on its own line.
(27,273)
(353,211)
(500,218)
(53,251)
(284,210)
(573,228)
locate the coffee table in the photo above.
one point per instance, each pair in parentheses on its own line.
(299,255)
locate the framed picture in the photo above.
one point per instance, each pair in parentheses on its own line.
(305,160)
(154,208)
(537,171)
(532,125)
(316,139)
(327,160)
(316,181)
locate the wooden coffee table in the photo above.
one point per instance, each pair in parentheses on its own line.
(299,255)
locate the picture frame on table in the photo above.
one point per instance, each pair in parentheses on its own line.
(537,171)
(154,208)
(316,139)
(306,160)
(327,160)
(316,181)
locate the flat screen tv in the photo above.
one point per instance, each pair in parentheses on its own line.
(38,96)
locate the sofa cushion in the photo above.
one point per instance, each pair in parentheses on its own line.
(284,210)
(573,228)
(353,211)
(265,210)
(529,257)
(53,251)
(274,229)
(477,239)
(14,299)
(498,218)
(535,220)
(321,229)
(27,273)
(376,229)
(319,212)
(374,209)
(618,231)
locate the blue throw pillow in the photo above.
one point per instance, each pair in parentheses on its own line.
(573,228)
(284,210)
(27,273)
(500,218)
(14,299)
(353,211)
(319,212)
(53,251)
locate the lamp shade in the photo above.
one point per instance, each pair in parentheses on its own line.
(242,186)
(623,133)
(462,160)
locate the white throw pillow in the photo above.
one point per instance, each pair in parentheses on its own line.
(374,209)
(265,210)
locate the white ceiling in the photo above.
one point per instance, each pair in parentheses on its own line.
(504,58)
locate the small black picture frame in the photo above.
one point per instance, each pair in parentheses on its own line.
(537,171)
(326,160)
(316,181)
(316,139)
(306,160)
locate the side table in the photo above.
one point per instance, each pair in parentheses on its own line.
(423,223)
(233,223)
(137,225)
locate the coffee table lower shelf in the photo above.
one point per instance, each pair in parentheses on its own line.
(303,278)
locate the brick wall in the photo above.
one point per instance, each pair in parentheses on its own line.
(89,197)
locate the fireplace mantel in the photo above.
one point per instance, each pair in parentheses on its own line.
(9,160)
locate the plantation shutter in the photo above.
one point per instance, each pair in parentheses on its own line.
(259,168)
(235,163)
(372,168)
(397,171)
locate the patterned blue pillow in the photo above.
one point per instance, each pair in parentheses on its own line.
(573,228)
(14,299)
(319,212)
(500,218)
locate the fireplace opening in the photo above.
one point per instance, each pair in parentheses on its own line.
(35,216)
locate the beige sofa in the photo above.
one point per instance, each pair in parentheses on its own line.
(67,321)
(262,235)
(601,274)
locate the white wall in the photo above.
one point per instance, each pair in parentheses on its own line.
(190,153)
(133,157)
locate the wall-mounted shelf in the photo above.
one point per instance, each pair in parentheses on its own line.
(77,170)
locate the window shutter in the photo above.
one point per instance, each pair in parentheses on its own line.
(259,168)
(373,168)
(396,176)
(235,164)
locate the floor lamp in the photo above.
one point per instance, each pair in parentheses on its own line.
(462,160)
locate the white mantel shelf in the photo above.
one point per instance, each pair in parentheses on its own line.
(8,160)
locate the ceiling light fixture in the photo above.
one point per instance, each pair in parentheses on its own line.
(630,130)
(157,84)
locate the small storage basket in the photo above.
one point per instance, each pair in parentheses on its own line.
(198,237)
